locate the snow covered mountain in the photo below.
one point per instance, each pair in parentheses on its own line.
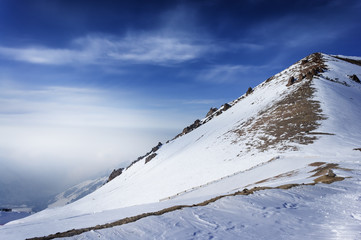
(76,192)
(298,128)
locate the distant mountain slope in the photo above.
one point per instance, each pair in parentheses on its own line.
(299,126)
(76,192)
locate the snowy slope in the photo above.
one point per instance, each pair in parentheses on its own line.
(267,138)
(306,212)
(76,192)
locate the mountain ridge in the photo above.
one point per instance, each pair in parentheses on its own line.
(312,69)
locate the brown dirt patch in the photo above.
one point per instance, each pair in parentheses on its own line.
(316,164)
(287,186)
(321,133)
(327,179)
(287,122)
(323,169)
(353,61)
(287,174)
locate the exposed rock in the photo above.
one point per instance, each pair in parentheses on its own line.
(197,123)
(226,106)
(223,108)
(150,157)
(154,149)
(249,91)
(114,174)
(211,111)
(191,127)
(314,71)
(291,81)
(331,173)
(300,77)
(270,79)
(309,75)
(355,78)
(304,61)
(209,116)
(319,69)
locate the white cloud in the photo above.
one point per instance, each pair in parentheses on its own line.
(149,48)
(41,55)
(176,38)
(228,72)
(158,49)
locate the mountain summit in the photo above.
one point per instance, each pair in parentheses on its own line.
(300,126)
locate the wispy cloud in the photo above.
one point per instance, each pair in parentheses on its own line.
(229,73)
(200,101)
(147,48)
(158,49)
(42,55)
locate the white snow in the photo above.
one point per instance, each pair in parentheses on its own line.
(304,212)
(76,192)
(210,161)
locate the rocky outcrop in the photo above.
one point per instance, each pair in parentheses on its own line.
(197,123)
(115,173)
(311,66)
(150,157)
(304,61)
(191,127)
(291,81)
(331,173)
(211,111)
(154,149)
(355,78)
(225,107)
(249,91)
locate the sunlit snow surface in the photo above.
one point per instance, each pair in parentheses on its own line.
(207,162)
(305,212)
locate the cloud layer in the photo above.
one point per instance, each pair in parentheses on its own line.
(149,48)
(78,131)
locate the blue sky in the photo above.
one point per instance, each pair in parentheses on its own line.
(86,86)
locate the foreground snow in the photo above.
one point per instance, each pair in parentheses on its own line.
(305,212)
